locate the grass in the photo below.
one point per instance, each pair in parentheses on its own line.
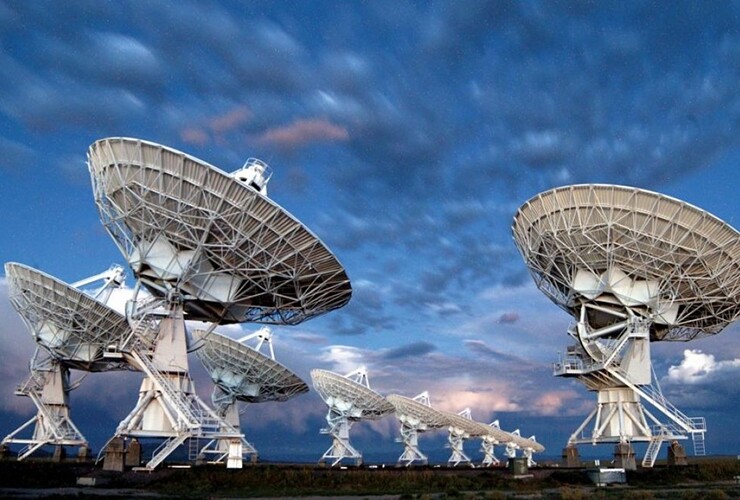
(709,478)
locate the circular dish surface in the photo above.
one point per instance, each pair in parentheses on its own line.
(74,327)
(190,229)
(658,256)
(349,396)
(244,373)
(473,428)
(409,408)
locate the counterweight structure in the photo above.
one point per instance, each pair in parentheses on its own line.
(350,399)
(72,329)
(209,246)
(632,267)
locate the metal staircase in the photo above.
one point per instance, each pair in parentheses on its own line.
(653,449)
(696,426)
(187,419)
(164,450)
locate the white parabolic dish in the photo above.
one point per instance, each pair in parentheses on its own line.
(360,402)
(245,373)
(658,256)
(74,327)
(187,227)
(426,415)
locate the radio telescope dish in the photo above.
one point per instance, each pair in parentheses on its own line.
(241,373)
(72,330)
(73,326)
(210,246)
(416,415)
(350,399)
(631,266)
(231,253)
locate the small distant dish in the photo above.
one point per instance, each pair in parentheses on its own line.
(416,415)
(73,326)
(244,373)
(350,399)
(359,401)
(213,239)
(416,410)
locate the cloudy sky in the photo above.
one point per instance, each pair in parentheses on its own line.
(405,135)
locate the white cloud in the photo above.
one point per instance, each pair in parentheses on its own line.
(696,367)
(343,359)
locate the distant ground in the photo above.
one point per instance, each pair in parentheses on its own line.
(709,478)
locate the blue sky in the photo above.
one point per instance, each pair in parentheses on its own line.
(405,135)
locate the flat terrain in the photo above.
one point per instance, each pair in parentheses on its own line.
(708,478)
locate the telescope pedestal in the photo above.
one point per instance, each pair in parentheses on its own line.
(456,439)
(410,439)
(571,457)
(48,387)
(624,456)
(341,448)
(168,405)
(487,446)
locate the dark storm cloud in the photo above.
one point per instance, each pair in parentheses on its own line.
(16,346)
(481,348)
(413,350)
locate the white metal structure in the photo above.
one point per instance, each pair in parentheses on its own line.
(194,233)
(460,427)
(631,266)
(350,399)
(242,373)
(73,329)
(494,436)
(416,415)
(48,386)
(528,446)
(209,246)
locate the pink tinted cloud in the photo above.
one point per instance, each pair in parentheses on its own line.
(556,403)
(216,126)
(192,135)
(302,132)
(230,120)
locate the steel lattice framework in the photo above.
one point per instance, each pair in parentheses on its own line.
(74,327)
(631,266)
(243,373)
(188,227)
(655,254)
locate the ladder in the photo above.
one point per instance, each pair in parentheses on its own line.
(653,449)
(699,449)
